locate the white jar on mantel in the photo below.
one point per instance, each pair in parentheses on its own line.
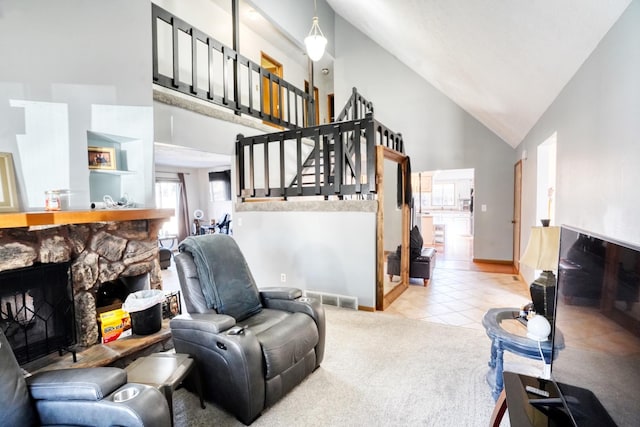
(56,200)
(52,200)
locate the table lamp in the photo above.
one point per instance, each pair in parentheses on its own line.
(542,254)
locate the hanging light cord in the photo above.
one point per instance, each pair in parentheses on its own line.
(315,27)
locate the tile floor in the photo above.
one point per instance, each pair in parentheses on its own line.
(460,297)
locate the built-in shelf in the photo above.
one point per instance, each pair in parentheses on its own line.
(28,219)
(126,173)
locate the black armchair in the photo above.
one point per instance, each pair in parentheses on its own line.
(76,397)
(251,346)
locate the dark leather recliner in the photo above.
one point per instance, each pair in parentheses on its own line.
(247,358)
(75,397)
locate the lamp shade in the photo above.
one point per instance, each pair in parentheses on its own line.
(542,249)
(315,46)
(315,41)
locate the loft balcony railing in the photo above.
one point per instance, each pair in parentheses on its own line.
(333,160)
(189,61)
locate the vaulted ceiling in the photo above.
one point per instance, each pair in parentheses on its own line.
(503,61)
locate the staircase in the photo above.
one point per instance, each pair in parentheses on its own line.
(335,160)
(324,156)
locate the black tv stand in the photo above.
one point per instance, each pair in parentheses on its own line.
(574,407)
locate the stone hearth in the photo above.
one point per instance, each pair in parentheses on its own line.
(98,252)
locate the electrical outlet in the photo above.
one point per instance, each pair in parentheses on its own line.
(283,277)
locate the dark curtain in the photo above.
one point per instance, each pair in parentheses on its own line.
(183,210)
(225,178)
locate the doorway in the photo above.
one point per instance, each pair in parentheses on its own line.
(443,210)
(271,90)
(546,180)
(517,214)
(196,167)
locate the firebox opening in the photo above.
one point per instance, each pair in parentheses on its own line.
(36,310)
(111,294)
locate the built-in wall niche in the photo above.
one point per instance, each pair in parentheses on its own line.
(108,160)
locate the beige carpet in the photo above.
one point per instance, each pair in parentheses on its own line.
(379,370)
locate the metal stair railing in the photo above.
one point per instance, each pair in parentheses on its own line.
(355,108)
(272,165)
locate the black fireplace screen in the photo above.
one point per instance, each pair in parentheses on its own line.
(36,312)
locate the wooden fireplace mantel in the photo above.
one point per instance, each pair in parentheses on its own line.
(28,219)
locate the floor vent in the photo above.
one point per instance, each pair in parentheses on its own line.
(343,301)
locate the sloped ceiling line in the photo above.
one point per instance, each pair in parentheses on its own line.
(504,62)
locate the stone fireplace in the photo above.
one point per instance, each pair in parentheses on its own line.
(98,252)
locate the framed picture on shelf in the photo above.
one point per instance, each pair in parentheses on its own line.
(8,192)
(102,158)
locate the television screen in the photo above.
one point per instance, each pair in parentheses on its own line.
(598,313)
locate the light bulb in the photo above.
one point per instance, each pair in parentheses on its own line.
(315,41)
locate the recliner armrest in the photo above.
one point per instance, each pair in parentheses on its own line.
(310,306)
(210,322)
(146,406)
(76,384)
(280,292)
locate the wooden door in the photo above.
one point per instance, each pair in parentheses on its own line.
(517,211)
(271,98)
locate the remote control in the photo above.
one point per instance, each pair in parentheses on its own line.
(537,391)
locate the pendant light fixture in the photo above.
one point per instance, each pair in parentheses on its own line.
(315,41)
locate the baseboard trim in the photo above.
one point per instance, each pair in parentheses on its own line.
(366,308)
(521,278)
(494,261)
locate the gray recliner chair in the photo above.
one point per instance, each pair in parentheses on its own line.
(251,346)
(76,397)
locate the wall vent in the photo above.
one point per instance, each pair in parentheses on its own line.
(343,301)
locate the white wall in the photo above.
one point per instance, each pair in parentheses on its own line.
(598,133)
(60,62)
(331,252)
(437,133)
